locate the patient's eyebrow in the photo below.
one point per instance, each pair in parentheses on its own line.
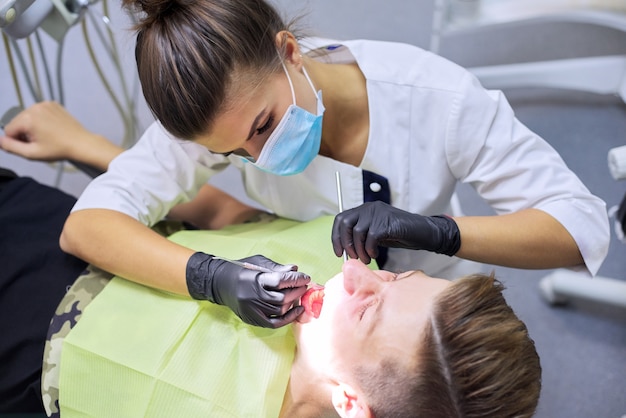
(407,274)
(376,315)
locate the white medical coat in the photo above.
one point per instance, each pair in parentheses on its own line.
(431,125)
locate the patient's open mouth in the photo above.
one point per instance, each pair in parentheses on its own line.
(313,300)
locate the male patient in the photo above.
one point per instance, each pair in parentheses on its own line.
(409,345)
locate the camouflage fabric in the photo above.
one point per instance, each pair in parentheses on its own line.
(261,218)
(78,296)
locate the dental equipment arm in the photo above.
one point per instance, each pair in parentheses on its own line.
(20,18)
(123,246)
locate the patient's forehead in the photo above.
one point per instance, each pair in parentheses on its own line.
(383,274)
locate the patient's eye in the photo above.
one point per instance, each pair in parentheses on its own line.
(266,126)
(366,307)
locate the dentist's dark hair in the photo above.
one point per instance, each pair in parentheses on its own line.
(193,54)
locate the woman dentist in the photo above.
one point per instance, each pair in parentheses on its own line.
(231,83)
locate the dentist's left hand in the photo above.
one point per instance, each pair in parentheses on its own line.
(258,298)
(361,230)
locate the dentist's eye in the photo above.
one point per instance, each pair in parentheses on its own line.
(266,126)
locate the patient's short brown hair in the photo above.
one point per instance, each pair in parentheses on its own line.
(476,360)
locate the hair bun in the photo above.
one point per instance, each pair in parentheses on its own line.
(152,10)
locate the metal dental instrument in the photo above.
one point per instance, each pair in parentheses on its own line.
(340,203)
(244,264)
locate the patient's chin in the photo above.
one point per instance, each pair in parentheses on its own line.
(305,318)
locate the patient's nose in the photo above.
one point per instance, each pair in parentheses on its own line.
(358,277)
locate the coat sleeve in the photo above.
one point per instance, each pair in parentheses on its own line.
(512,168)
(153,176)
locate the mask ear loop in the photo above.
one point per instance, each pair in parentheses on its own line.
(318,94)
(306,74)
(293,93)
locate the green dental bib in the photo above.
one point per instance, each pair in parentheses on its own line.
(140,352)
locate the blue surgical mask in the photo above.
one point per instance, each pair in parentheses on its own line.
(296,140)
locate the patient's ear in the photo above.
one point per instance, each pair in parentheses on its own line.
(348,403)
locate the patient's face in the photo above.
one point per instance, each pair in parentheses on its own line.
(367,315)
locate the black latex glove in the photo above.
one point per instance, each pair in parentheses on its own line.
(258,298)
(361,230)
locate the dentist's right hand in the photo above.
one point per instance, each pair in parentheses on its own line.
(258,298)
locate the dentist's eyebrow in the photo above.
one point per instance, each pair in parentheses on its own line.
(253,128)
(255,123)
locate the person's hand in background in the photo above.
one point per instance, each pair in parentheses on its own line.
(45,131)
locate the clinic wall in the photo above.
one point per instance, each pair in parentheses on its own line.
(391,20)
